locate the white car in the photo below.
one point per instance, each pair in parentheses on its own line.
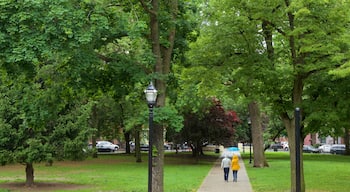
(285,146)
(106,146)
(325,148)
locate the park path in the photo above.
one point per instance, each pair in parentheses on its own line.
(214,181)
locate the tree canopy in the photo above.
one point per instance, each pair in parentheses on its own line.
(272,51)
(50,60)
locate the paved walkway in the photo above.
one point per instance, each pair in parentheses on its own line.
(214,182)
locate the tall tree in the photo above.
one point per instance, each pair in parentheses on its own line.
(275,46)
(48,48)
(227,51)
(211,124)
(162,25)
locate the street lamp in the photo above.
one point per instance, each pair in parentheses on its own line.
(250,140)
(151,97)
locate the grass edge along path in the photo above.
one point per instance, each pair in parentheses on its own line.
(120,173)
(322,172)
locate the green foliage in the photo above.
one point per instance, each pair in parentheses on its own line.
(50,50)
(328,105)
(69,138)
(169,117)
(166,116)
(197,85)
(234,43)
(105,116)
(36,127)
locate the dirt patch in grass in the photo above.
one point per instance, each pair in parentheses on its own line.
(40,186)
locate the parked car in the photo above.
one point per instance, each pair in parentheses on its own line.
(285,146)
(144,147)
(310,149)
(337,149)
(276,146)
(325,148)
(106,146)
(167,146)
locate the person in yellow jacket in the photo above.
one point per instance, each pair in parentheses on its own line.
(235,167)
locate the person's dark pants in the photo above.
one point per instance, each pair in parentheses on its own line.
(226,172)
(234,175)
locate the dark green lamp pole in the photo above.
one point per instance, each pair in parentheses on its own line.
(151,97)
(250,140)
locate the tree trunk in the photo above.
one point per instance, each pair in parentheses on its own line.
(268,36)
(298,85)
(162,68)
(158,159)
(346,141)
(137,145)
(257,135)
(290,126)
(194,149)
(313,138)
(127,141)
(29,175)
(158,153)
(94,123)
(93,147)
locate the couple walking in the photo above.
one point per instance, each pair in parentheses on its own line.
(227,163)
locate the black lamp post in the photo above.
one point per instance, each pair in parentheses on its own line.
(250,140)
(151,97)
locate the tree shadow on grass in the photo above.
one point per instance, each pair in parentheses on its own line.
(188,159)
(40,186)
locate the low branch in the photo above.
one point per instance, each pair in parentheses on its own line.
(104,58)
(146,8)
(275,27)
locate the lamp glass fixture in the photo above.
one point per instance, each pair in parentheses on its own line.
(249,121)
(151,94)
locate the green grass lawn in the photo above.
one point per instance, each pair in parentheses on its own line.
(322,172)
(118,173)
